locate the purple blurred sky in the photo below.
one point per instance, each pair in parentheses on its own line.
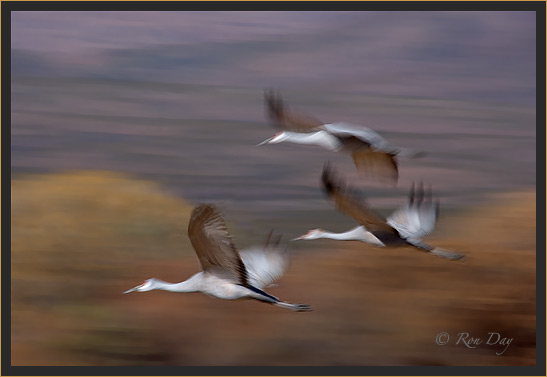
(403,53)
(88,30)
(459,85)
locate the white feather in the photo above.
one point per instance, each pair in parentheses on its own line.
(414,221)
(264,265)
(363,133)
(369,136)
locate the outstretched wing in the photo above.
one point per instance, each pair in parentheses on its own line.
(376,163)
(417,218)
(264,267)
(348,202)
(371,153)
(265,264)
(213,245)
(288,120)
(363,134)
(356,137)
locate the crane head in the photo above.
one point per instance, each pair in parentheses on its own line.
(147,285)
(310,235)
(277,138)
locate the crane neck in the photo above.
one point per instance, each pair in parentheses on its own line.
(320,138)
(358,234)
(191,285)
(353,234)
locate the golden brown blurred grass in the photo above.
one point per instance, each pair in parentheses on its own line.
(73,236)
(80,239)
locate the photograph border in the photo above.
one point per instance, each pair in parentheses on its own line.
(10,6)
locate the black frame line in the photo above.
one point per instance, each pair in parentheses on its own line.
(273,5)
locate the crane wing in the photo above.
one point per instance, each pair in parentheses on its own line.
(280,115)
(265,265)
(356,138)
(213,245)
(365,135)
(347,201)
(376,163)
(417,218)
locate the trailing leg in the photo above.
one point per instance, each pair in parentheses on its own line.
(259,294)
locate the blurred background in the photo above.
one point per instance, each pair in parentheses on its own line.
(122,122)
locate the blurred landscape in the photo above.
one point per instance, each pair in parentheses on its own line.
(122,122)
(372,306)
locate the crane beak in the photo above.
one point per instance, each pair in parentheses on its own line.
(132,289)
(297,238)
(265,141)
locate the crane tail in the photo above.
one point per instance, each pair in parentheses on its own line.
(446,254)
(260,295)
(294,307)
